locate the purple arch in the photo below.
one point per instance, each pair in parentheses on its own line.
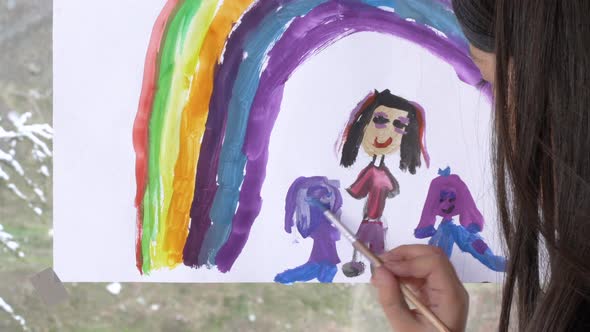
(306,36)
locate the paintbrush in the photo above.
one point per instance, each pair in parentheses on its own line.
(376,262)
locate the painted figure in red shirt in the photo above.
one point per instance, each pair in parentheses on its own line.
(382,124)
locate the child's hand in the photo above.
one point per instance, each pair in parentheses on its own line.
(427,271)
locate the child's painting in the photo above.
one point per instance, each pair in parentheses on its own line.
(192,138)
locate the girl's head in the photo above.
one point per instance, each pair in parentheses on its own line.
(385,124)
(535,54)
(298,201)
(477,20)
(448,197)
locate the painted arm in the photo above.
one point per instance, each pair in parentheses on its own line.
(426,225)
(360,188)
(395,191)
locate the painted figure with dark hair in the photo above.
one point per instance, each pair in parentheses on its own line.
(383,124)
(301,210)
(449,197)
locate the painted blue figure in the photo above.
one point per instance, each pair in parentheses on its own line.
(301,208)
(449,197)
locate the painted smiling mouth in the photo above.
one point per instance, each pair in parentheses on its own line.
(384,144)
(449,210)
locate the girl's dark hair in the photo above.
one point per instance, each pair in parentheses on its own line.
(410,150)
(541,155)
(477,20)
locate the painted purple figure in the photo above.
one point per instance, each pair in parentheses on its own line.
(301,205)
(449,197)
(383,124)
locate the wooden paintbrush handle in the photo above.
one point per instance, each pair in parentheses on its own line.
(408,294)
(367,253)
(424,310)
(411,297)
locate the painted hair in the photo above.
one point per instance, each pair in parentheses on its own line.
(412,145)
(297,209)
(465,206)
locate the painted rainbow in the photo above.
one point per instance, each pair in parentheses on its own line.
(213,82)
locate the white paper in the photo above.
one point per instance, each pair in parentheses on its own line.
(99,54)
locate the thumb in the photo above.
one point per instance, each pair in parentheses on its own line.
(392,300)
